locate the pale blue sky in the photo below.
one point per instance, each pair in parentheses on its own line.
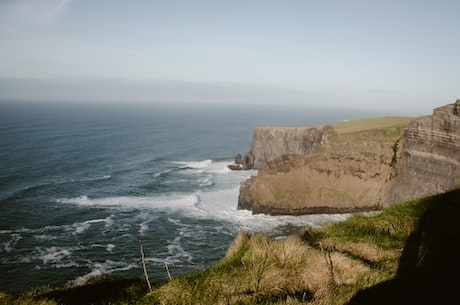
(397,55)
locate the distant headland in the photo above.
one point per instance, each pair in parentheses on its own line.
(352,166)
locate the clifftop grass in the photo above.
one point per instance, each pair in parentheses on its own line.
(406,254)
(371,123)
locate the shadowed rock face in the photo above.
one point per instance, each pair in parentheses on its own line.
(430,161)
(327,169)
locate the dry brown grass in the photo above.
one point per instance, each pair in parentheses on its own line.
(287,269)
(240,240)
(364,251)
(24,300)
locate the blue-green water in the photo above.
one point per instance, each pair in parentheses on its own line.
(80,186)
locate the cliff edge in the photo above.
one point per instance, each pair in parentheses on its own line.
(352,166)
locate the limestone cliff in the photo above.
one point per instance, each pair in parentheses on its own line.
(354,166)
(271,142)
(430,161)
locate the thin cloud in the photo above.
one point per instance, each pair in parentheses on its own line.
(30,12)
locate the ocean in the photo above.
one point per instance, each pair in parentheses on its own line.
(81,186)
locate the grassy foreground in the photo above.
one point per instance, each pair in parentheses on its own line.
(405,255)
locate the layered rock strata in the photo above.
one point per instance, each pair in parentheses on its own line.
(430,161)
(354,166)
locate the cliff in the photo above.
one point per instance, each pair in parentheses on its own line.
(271,142)
(430,160)
(353,166)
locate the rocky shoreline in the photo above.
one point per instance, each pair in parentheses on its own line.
(355,166)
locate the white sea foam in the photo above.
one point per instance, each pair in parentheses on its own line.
(107,247)
(163,172)
(110,247)
(177,254)
(52,254)
(9,245)
(143,227)
(206,166)
(194,164)
(65,265)
(17,231)
(99,269)
(205,182)
(218,203)
(45,237)
(219,167)
(80,227)
(86,179)
(171,201)
(97,178)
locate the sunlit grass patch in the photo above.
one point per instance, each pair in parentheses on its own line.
(372,123)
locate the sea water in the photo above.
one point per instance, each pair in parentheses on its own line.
(81,187)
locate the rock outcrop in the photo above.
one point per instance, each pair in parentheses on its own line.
(271,142)
(354,166)
(430,160)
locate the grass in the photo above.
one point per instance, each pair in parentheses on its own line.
(24,300)
(403,255)
(390,123)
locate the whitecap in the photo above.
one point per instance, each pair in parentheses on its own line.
(194,164)
(52,254)
(67,265)
(17,231)
(110,247)
(161,173)
(82,280)
(45,237)
(143,227)
(220,167)
(99,269)
(205,182)
(177,253)
(97,220)
(80,227)
(105,177)
(81,200)
(107,247)
(9,245)
(170,201)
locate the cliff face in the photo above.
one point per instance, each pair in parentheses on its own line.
(354,166)
(430,161)
(345,173)
(271,142)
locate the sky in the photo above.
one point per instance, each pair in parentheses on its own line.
(400,56)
